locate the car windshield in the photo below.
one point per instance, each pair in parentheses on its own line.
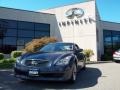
(57,47)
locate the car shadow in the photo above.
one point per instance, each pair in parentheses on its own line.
(85,79)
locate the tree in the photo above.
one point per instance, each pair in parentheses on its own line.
(38,43)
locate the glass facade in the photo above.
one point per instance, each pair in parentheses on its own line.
(111,41)
(17,33)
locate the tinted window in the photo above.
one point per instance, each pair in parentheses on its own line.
(11,24)
(2,32)
(23,41)
(3,23)
(111,41)
(9,40)
(108,39)
(107,33)
(26,25)
(42,27)
(13,33)
(8,48)
(25,33)
(0,41)
(10,32)
(41,34)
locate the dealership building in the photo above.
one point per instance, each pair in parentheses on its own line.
(78,23)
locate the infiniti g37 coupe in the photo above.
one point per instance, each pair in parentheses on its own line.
(55,61)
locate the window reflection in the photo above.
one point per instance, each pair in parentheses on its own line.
(8,48)
(25,33)
(25,25)
(111,41)
(15,34)
(108,39)
(39,34)
(3,23)
(11,24)
(42,27)
(23,41)
(10,32)
(0,41)
(9,40)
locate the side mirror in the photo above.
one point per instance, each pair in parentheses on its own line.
(79,50)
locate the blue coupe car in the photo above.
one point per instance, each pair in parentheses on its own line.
(55,61)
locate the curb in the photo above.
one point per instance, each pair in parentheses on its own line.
(98,62)
(2,70)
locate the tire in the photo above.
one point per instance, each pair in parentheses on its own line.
(117,61)
(84,67)
(74,74)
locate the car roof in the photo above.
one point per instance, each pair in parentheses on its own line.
(64,43)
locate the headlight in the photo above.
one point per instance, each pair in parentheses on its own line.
(63,61)
(18,60)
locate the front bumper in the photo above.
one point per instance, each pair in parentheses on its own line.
(49,74)
(116,58)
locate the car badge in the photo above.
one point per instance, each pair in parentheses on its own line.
(34,62)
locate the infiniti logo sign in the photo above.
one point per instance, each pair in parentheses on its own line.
(74,12)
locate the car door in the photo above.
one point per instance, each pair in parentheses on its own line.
(79,55)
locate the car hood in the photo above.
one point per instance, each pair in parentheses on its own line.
(44,55)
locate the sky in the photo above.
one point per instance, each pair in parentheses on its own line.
(109,10)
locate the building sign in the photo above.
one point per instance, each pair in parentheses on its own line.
(76,22)
(74,15)
(74,12)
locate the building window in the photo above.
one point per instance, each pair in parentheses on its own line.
(42,27)
(39,34)
(10,32)
(111,41)
(15,34)
(25,33)
(25,25)
(11,24)
(9,40)
(22,41)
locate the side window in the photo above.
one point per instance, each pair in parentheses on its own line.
(76,47)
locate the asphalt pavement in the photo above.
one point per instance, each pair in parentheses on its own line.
(103,76)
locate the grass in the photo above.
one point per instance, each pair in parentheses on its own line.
(7,63)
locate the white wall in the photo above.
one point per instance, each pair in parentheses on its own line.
(83,34)
(99,36)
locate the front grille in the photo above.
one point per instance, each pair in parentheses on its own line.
(43,75)
(36,63)
(51,75)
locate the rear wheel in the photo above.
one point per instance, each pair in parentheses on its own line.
(84,66)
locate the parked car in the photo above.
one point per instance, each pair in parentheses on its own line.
(55,61)
(116,56)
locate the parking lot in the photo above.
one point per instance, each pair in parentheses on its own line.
(103,76)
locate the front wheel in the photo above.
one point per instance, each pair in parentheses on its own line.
(74,73)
